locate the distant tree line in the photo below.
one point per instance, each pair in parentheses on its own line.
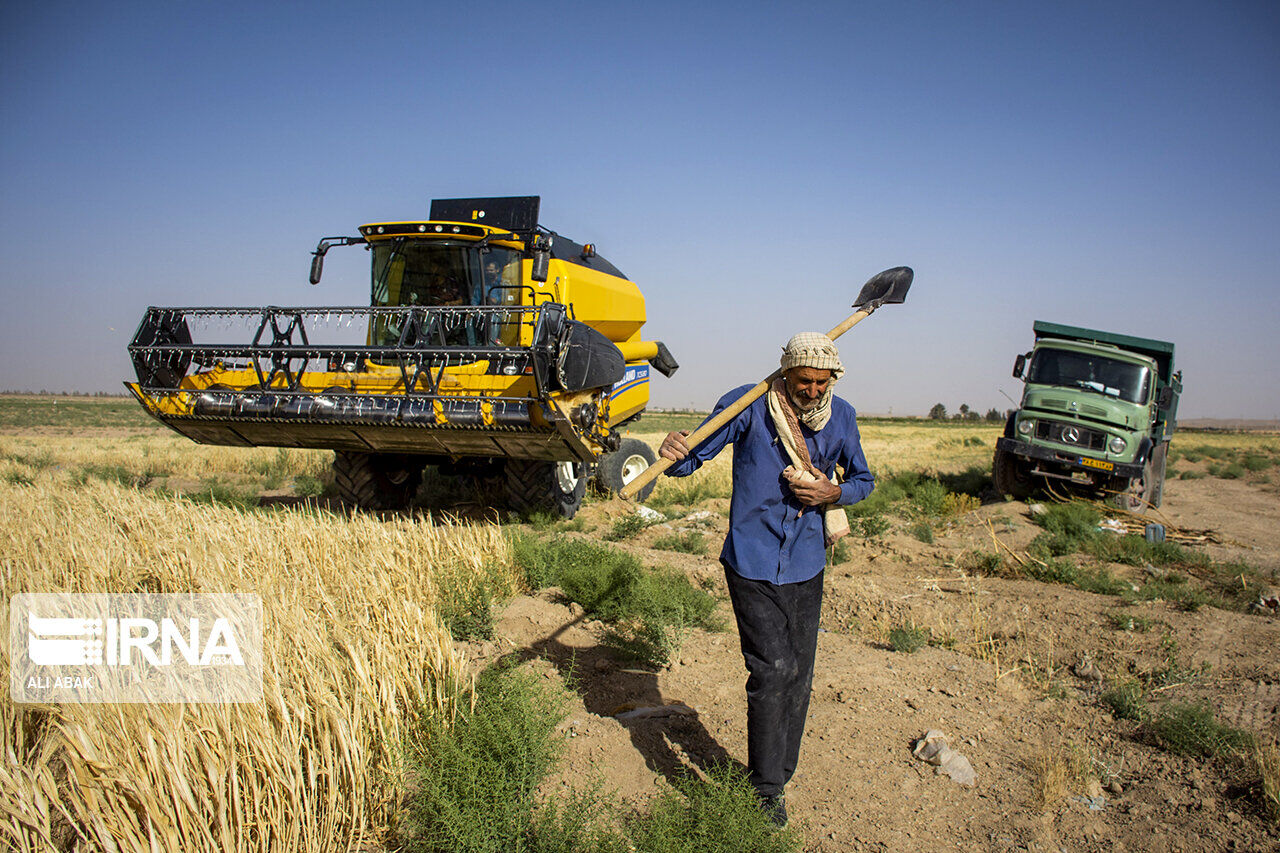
(995,416)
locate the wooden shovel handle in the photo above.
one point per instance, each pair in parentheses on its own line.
(700,434)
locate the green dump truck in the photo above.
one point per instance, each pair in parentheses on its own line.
(1098,411)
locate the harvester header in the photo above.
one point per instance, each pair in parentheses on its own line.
(491,346)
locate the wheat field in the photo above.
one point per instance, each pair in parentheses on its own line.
(353,651)
(355,648)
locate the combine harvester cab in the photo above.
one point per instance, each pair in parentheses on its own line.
(492,348)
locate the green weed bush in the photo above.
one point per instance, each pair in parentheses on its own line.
(1172,669)
(981,563)
(870,526)
(689,542)
(972,481)
(928,498)
(1137,551)
(649,609)
(473,789)
(1192,729)
(908,638)
(473,783)
(275,469)
(626,527)
(1234,471)
(1255,462)
(1175,590)
(1089,579)
(1072,528)
(720,815)
(1130,622)
(466,607)
(923,531)
(308,486)
(1074,519)
(1126,701)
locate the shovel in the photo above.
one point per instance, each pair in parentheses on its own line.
(886,288)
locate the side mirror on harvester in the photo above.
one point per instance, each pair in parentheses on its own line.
(541,263)
(1019,364)
(317,257)
(541,257)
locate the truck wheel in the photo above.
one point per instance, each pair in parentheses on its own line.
(629,461)
(536,486)
(376,480)
(1137,495)
(1009,478)
(1159,458)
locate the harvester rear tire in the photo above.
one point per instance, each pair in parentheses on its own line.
(378,481)
(632,458)
(535,486)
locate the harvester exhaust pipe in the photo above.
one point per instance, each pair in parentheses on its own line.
(886,288)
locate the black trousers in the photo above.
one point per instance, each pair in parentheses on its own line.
(778,627)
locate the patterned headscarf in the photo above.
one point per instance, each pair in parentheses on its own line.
(812,349)
(816,350)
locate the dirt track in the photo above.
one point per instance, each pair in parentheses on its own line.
(858,787)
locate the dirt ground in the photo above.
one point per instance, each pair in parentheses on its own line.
(1003,688)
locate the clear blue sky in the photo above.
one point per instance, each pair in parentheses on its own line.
(750,165)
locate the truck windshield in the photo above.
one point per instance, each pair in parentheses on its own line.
(1121,379)
(429,272)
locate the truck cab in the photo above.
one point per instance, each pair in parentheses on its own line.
(1098,411)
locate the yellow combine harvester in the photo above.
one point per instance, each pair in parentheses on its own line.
(492,348)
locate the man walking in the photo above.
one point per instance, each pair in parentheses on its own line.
(787,445)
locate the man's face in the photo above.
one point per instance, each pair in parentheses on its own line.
(806,385)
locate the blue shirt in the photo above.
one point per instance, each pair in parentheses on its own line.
(769,538)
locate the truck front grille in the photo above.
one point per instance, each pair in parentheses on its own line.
(1073,435)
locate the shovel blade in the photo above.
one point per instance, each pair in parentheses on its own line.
(886,287)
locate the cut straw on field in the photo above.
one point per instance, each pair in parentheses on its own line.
(353,652)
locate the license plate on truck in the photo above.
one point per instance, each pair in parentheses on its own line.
(1096,463)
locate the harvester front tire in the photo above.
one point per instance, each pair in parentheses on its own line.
(378,481)
(1008,477)
(632,458)
(535,486)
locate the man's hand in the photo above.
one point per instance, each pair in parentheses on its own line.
(674,447)
(814,492)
